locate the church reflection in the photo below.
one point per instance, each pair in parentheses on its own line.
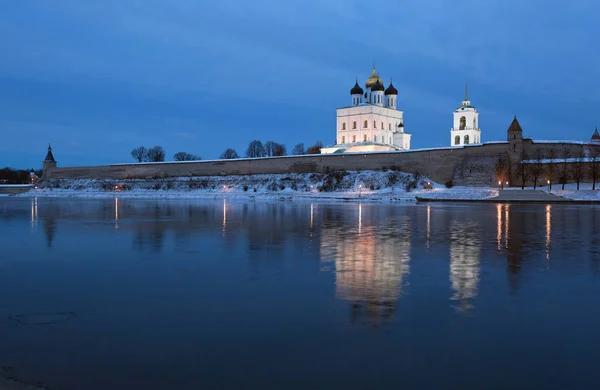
(371,261)
(465,248)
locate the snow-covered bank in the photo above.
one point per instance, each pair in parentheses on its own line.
(340,185)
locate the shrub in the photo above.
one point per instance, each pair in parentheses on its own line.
(245,188)
(157,186)
(449,184)
(410,185)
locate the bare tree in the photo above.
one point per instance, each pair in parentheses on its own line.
(537,168)
(578,167)
(595,167)
(564,167)
(315,149)
(256,149)
(550,168)
(156,154)
(139,153)
(298,150)
(270,148)
(279,150)
(229,154)
(184,156)
(501,170)
(523,169)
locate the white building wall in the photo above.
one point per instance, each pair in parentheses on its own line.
(381,127)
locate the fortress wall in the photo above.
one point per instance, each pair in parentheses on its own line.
(437,164)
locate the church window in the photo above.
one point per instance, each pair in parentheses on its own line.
(365,138)
(466,139)
(514,147)
(382,127)
(514,136)
(389,126)
(354,125)
(343,139)
(353,138)
(374,124)
(457,140)
(382,139)
(474,123)
(390,140)
(344,126)
(366,124)
(463,123)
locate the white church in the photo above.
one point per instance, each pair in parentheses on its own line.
(373,123)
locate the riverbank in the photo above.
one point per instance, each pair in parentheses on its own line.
(376,186)
(364,186)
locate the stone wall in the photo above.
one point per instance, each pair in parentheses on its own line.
(437,164)
(468,165)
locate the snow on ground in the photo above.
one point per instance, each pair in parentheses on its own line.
(585,191)
(340,185)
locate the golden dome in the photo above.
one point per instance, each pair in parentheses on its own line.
(373,79)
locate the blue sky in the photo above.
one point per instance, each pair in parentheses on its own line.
(98,78)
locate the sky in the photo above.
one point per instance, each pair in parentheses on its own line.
(96,79)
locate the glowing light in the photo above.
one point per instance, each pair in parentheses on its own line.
(311,216)
(499,182)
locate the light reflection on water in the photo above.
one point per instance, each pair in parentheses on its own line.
(234,287)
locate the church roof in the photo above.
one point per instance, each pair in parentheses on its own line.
(391,90)
(356,90)
(515,126)
(373,78)
(49,156)
(378,86)
(595,136)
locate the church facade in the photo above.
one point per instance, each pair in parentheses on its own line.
(372,123)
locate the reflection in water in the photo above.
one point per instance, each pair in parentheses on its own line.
(116,213)
(224,215)
(428,231)
(34,211)
(49,224)
(370,267)
(464,262)
(548,229)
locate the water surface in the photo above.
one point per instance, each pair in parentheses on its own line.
(127,294)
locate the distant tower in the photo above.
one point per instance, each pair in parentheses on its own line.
(49,161)
(391,93)
(357,94)
(466,124)
(595,137)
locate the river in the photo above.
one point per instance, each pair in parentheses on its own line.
(216,294)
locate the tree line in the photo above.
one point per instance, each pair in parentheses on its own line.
(255,149)
(157,154)
(550,168)
(17,176)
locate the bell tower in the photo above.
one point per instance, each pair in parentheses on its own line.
(466,129)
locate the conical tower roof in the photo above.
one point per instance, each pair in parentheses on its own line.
(596,136)
(49,155)
(515,126)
